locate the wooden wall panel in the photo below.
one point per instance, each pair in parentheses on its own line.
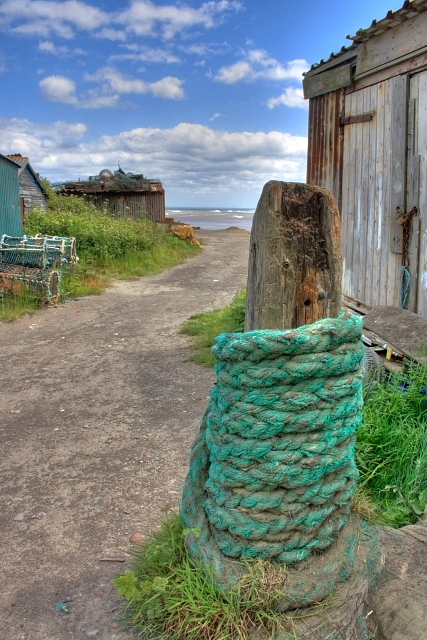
(371,270)
(419,149)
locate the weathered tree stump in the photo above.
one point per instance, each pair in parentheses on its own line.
(295,261)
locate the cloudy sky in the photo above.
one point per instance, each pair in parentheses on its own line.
(206,96)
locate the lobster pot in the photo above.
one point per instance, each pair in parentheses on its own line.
(61,252)
(43,283)
(28,252)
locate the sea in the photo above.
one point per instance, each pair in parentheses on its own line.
(209,218)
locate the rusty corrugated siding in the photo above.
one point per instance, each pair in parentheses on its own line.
(325,142)
(132,205)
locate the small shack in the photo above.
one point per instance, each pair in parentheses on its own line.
(31,189)
(11,212)
(125,195)
(367,143)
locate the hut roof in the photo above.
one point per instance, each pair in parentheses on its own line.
(408,10)
(107,181)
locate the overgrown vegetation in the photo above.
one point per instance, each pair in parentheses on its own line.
(107,248)
(205,326)
(391,451)
(169,597)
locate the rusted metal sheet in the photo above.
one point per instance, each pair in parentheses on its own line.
(362,117)
(325,143)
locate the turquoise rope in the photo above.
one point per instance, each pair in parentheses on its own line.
(272,472)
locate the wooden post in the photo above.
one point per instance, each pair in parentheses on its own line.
(295,262)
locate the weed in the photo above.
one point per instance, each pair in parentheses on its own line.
(170,597)
(391,450)
(204,327)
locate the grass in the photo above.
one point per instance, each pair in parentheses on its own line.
(204,327)
(171,598)
(17,303)
(391,449)
(108,249)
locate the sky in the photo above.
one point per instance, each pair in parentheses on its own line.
(205,96)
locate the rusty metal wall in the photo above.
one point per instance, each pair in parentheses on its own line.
(326,143)
(133,205)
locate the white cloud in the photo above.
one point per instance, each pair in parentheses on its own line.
(220,166)
(50,17)
(257,65)
(215,116)
(146,18)
(291,97)
(112,85)
(49,47)
(168,87)
(59,89)
(47,18)
(111,34)
(147,54)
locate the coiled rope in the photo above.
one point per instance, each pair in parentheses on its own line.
(272,470)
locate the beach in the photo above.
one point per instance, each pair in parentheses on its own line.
(211,218)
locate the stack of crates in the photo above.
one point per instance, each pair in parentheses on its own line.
(36,261)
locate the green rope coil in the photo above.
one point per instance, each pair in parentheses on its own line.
(272,470)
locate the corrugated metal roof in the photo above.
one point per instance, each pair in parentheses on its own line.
(24,162)
(393,18)
(21,160)
(409,10)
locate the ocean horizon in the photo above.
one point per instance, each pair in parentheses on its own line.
(212,218)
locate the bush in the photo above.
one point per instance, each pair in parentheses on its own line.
(100,238)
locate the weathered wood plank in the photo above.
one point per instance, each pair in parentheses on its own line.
(365,128)
(327,81)
(295,262)
(358,253)
(404,39)
(412,194)
(371,216)
(421,150)
(399,88)
(379,195)
(384,250)
(403,329)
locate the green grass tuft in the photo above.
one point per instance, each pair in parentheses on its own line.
(204,327)
(170,597)
(391,450)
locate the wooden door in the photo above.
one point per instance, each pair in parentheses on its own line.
(374,174)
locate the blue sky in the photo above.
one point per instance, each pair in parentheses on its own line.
(206,96)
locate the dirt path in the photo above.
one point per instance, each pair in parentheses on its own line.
(99,410)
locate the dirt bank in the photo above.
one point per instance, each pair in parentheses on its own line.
(99,410)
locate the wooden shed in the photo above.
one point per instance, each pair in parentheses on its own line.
(10,207)
(31,190)
(367,143)
(125,195)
